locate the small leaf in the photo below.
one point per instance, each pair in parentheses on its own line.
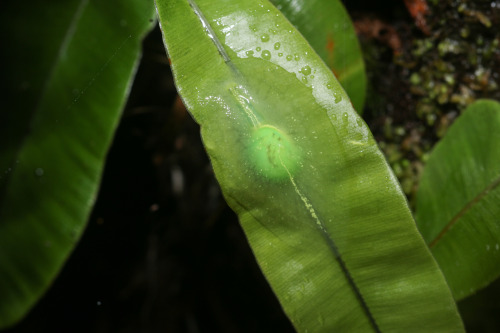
(69,66)
(458,202)
(328,29)
(324,215)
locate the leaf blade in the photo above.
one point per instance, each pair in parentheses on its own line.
(457,202)
(63,109)
(274,139)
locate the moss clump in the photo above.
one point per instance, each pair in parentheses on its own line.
(430,80)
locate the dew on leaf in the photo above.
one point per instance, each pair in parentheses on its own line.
(306,70)
(338,98)
(345,118)
(266,55)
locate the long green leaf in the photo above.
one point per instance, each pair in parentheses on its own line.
(323,213)
(328,29)
(458,202)
(68,66)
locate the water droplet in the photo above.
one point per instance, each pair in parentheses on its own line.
(345,118)
(312,76)
(329,86)
(264,38)
(289,57)
(249,53)
(334,117)
(338,98)
(280,54)
(258,48)
(277,45)
(274,31)
(39,172)
(487,247)
(306,70)
(266,55)
(497,246)
(296,57)
(359,122)
(304,79)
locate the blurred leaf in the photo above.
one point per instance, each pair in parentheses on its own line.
(324,215)
(328,29)
(68,67)
(458,202)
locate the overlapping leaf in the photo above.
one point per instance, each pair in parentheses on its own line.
(328,29)
(458,202)
(324,215)
(67,66)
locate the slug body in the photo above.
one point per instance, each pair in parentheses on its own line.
(273,153)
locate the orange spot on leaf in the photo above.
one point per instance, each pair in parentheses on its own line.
(330,46)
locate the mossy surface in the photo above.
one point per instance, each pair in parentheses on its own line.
(422,82)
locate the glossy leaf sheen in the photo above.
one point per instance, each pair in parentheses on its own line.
(68,65)
(321,209)
(328,29)
(458,202)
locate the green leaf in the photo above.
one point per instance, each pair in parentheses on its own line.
(69,66)
(458,202)
(328,29)
(322,211)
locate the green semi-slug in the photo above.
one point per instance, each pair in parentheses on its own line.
(273,153)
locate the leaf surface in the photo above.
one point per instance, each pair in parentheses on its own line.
(458,202)
(328,29)
(68,67)
(322,211)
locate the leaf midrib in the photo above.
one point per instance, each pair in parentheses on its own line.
(321,227)
(471,204)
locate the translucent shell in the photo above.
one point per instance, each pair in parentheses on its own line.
(272,153)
